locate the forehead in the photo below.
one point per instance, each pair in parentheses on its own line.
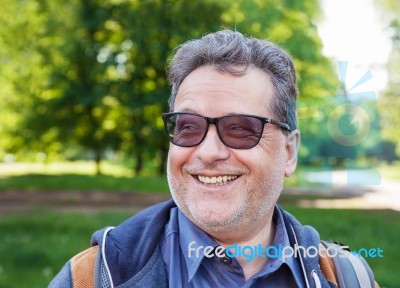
(214,93)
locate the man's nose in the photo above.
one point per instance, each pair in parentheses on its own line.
(212,149)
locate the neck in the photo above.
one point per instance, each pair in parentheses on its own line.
(263,233)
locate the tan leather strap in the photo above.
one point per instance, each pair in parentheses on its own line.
(82,268)
(327,266)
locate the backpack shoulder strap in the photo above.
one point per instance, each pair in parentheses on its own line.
(82,268)
(344,269)
(327,266)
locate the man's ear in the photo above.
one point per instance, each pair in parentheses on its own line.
(292,149)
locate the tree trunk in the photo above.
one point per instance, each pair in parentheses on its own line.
(97,161)
(163,162)
(139,162)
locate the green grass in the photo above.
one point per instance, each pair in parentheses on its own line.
(360,229)
(34,246)
(77,176)
(77,182)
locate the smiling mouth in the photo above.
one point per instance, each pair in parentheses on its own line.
(216,180)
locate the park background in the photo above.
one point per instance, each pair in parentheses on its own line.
(82,146)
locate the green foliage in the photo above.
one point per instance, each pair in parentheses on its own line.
(390,171)
(390,101)
(329,132)
(22,72)
(91,74)
(289,24)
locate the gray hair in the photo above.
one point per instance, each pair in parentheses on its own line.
(230,51)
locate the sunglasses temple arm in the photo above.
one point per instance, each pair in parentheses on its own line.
(280,124)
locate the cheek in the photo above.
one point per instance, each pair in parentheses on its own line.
(267,158)
(272,147)
(177,157)
(270,144)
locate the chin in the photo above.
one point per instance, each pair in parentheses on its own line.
(209,220)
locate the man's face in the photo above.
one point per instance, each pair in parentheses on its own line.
(249,181)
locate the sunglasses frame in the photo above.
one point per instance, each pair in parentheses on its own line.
(215,120)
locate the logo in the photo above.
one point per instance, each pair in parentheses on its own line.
(342,128)
(280,251)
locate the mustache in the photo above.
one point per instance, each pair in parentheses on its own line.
(215,168)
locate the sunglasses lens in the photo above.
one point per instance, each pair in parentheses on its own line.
(185,129)
(240,132)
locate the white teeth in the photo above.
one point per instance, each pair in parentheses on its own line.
(220,180)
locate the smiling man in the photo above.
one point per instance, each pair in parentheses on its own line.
(234,138)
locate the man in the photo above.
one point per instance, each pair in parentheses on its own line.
(233,135)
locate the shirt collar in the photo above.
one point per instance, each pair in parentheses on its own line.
(192,236)
(282,238)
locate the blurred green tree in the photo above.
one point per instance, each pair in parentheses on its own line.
(23,74)
(58,87)
(292,25)
(91,74)
(390,100)
(151,30)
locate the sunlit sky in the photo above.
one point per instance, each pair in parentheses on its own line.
(353,31)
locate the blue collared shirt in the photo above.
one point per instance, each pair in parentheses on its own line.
(186,269)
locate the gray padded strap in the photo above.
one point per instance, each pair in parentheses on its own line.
(105,271)
(361,271)
(344,268)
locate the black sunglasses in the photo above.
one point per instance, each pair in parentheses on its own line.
(239,131)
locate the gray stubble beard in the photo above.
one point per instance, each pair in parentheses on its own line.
(246,214)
